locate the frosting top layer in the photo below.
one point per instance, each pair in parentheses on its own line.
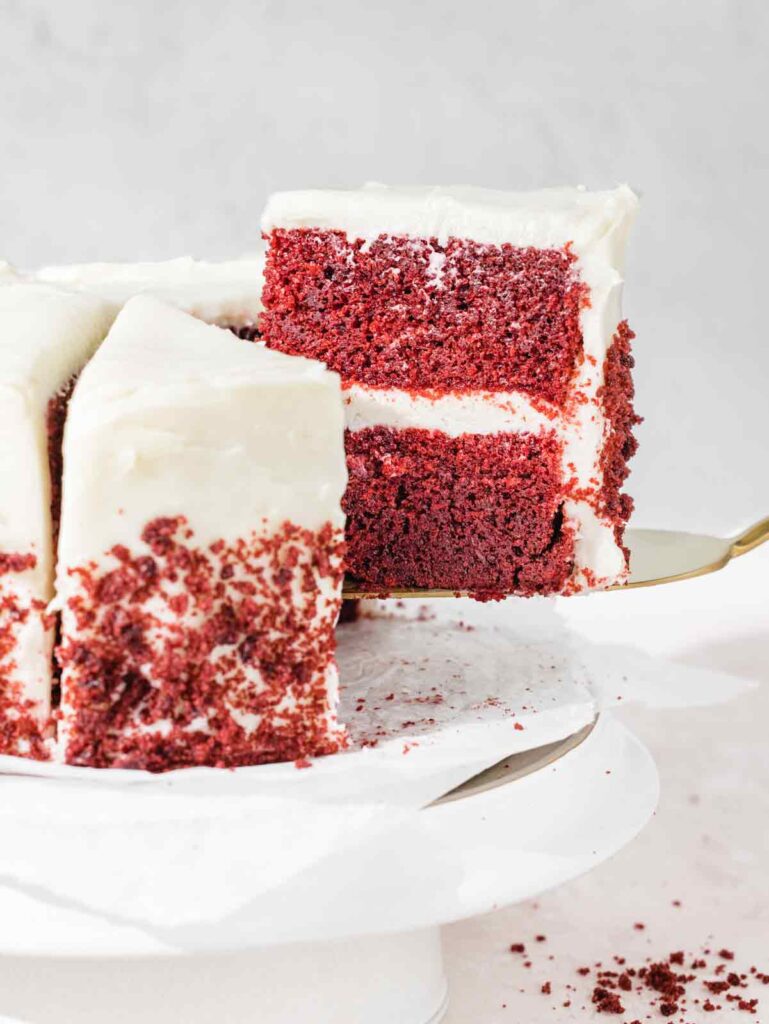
(46,335)
(175,417)
(157,348)
(228,292)
(45,338)
(546,218)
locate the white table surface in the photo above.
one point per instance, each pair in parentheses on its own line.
(708,847)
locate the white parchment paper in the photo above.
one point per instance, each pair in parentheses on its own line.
(431,695)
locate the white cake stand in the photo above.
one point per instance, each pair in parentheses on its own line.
(357,941)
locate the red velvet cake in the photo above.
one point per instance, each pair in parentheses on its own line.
(200,554)
(45,338)
(227,293)
(487,379)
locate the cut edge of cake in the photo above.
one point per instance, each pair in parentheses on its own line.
(426,239)
(46,336)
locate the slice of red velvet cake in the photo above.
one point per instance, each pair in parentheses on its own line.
(45,338)
(200,556)
(486,370)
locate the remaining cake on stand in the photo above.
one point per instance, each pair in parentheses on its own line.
(486,370)
(45,338)
(226,293)
(200,556)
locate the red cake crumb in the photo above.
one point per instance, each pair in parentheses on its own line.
(475,512)
(413,313)
(664,991)
(247,332)
(616,397)
(607,1002)
(173,633)
(21,731)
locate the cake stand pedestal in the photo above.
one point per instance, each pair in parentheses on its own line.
(359,940)
(377,979)
(383,979)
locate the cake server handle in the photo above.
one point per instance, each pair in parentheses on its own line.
(750,538)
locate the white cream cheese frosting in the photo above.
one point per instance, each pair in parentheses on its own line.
(46,336)
(546,218)
(594,224)
(176,414)
(227,293)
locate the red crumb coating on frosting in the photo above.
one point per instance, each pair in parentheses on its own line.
(616,398)
(22,732)
(475,512)
(166,646)
(414,313)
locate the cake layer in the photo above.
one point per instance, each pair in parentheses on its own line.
(595,514)
(418,313)
(226,293)
(200,555)
(45,338)
(477,512)
(473,313)
(449,289)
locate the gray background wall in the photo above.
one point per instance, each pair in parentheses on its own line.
(158,127)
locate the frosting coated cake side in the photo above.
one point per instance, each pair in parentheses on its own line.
(200,558)
(45,338)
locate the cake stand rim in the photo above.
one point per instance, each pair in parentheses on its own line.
(612,738)
(516,766)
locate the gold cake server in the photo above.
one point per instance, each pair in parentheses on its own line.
(656,556)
